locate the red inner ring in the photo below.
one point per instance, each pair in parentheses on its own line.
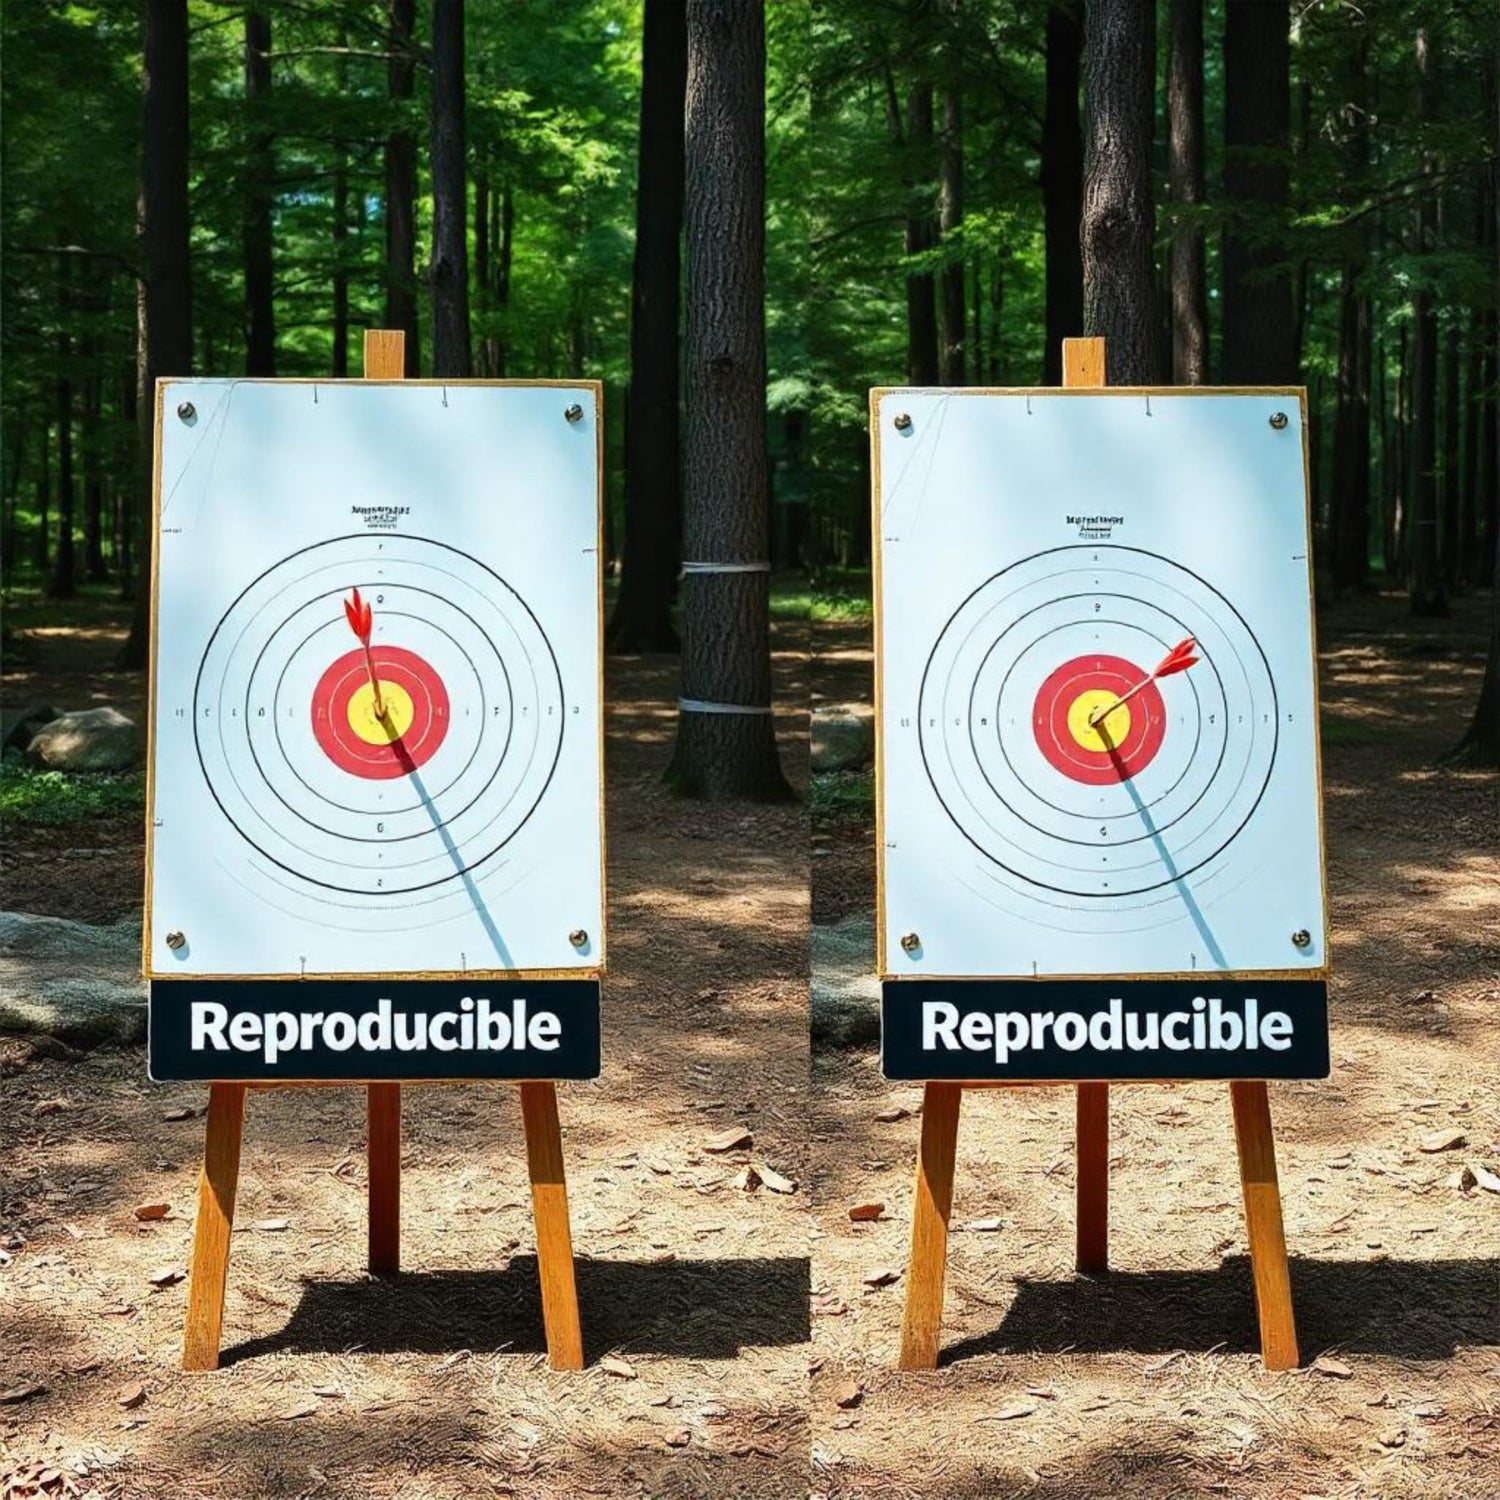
(1113,675)
(380,762)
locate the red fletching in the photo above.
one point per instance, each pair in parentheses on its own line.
(1178,659)
(359,616)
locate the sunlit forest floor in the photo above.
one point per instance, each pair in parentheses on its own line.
(434,1383)
(1146,1382)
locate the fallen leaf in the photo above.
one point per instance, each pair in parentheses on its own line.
(1442,1140)
(148,1211)
(882,1276)
(1326,1364)
(18,1393)
(890,1116)
(269,1226)
(49,1107)
(167,1276)
(617,1367)
(132,1395)
(736,1138)
(866,1213)
(849,1395)
(773,1180)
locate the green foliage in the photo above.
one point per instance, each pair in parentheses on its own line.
(841,796)
(54,798)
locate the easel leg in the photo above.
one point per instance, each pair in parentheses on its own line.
(921,1325)
(554,1236)
(383,1151)
(1273,1286)
(216,1189)
(1093,1177)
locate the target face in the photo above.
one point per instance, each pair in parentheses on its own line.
(432,806)
(1034,822)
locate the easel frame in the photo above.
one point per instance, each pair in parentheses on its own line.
(921,1324)
(384,359)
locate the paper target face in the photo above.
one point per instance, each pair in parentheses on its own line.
(426,800)
(1051,806)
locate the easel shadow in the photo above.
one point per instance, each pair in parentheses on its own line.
(1406,1309)
(696,1309)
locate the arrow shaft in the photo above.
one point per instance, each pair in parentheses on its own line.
(374,680)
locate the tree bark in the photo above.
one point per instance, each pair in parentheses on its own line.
(1259,333)
(340,235)
(1429,596)
(726,658)
(1118,216)
(94,568)
(1451,500)
(1062,185)
(260,191)
(642,619)
(165,339)
(63,581)
(449,272)
(921,236)
(1189,299)
(401,184)
(951,213)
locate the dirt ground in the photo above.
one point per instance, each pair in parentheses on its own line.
(1145,1382)
(434,1383)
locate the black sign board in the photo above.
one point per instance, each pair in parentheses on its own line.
(397,1030)
(1068,1030)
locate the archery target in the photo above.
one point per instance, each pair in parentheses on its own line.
(433,807)
(1023,832)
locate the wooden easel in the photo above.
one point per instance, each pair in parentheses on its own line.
(385,359)
(921,1324)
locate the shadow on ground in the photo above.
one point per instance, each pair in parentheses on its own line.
(700,1309)
(1403,1308)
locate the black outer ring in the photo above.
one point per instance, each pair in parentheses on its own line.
(1181,874)
(458,874)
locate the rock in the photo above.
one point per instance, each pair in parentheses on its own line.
(19,726)
(845,989)
(93,739)
(70,981)
(843,737)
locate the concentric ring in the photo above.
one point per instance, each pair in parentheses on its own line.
(361,743)
(1091,753)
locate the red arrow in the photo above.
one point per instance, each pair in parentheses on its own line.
(1178,659)
(361,622)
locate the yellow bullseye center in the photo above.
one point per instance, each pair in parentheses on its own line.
(1108,733)
(398,713)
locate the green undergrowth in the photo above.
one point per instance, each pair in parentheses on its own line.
(52,798)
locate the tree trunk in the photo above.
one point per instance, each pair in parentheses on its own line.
(63,581)
(1429,596)
(950,221)
(642,619)
(1118,215)
(401,183)
(722,749)
(340,232)
(42,540)
(450,250)
(1062,186)
(1451,495)
(94,568)
(260,191)
(165,339)
(921,236)
(1189,299)
(1259,334)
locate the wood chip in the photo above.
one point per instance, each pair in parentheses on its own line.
(1442,1140)
(1335,1369)
(617,1367)
(849,1395)
(736,1138)
(1482,1177)
(746,1180)
(167,1276)
(19,1393)
(146,1212)
(985,1226)
(132,1395)
(773,1181)
(296,1413)
(269,1226)
(1012,1411)
(44,1107)
(679,1439)
(329,1392)
(866,1213)
(1392,1437)
(882,1276)
(182,1112)
(890,1116)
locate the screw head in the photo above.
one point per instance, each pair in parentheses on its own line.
(910,943)
(579,938)
(177,941)
(1302,938)
(1278,420)
(574,413)
(903,421)
(187,411)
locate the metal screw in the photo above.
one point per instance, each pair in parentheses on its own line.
(1278,420)
(176,941)
(903,421)
(187,411)
(911,943)
(579,938)
(1302,938)
(574,413)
